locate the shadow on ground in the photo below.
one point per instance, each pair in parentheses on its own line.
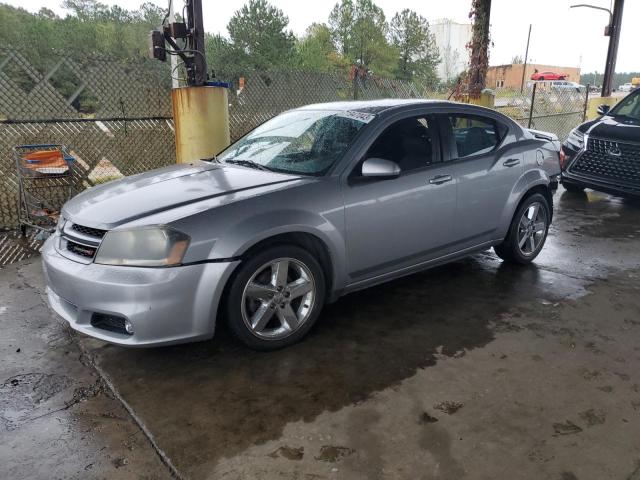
(225,398)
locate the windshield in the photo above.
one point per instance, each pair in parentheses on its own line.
(628,107)
(303,142)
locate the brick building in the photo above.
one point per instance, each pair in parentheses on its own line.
(510,76)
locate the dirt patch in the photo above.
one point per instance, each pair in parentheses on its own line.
(425,418)
(566,428)
(449,407)
(331,453)
(290,453)
(593,417)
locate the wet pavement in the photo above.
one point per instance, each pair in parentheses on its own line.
(477,370)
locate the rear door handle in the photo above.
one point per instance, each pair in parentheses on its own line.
(438,179)
(512,162)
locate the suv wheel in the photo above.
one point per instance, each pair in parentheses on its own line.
(528,231)
(275,297)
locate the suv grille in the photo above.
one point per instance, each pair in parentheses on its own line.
(88,231)
(610,160)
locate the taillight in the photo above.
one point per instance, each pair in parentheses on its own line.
(563,158)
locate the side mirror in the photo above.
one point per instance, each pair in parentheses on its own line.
(380,168)
(603,109)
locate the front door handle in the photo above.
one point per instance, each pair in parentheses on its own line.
(512,162)
(439,179)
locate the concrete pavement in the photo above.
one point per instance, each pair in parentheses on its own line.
(475,370)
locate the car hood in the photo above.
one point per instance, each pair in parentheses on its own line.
(615,128)
(131,198)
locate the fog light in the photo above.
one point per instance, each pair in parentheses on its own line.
(128,327)
(112,323)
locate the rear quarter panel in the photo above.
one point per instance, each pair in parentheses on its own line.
(541,164)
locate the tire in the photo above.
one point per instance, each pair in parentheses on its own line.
(573,188)
(273,313)
(541,79)
(511,249)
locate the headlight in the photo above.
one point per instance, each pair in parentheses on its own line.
(158,246)
(576,139)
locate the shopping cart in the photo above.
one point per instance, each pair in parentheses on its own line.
(45,182)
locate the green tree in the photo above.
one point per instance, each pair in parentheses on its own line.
(359,30)
(259,36)
(221,56)
(341,21)
(416,46)
(316,50)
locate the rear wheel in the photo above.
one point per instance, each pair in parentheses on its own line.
(528,231)
(275,297)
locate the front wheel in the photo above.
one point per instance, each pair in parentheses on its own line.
(528,231)
(275,297)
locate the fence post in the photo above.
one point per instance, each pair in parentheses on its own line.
(533,100)
(586,104)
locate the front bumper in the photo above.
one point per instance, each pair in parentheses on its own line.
(599,185)
(607,185)
(164,305)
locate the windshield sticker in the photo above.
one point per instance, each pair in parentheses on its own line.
(361,116)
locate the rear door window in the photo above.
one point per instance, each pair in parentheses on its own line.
(474,134)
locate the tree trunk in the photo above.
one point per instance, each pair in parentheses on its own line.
(479,61)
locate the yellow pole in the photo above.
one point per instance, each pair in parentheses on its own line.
(201,119)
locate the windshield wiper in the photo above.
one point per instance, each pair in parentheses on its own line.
(249,163)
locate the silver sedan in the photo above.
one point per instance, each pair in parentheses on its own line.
(316,203)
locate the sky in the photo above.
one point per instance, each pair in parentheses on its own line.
(560,35)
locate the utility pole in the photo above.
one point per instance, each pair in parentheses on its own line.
(201,109)
(174,58)
(526,57)
(196,41)
(612,52)
(612,30)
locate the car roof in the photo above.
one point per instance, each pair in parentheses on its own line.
(373,106)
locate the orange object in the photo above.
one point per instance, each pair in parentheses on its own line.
(44,159)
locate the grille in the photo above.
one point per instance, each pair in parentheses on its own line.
(598,161)
(111,323)
(82,250)
(88,231)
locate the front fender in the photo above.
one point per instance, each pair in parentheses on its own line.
(239,237)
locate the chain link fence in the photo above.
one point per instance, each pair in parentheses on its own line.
(115,117)
(544,107)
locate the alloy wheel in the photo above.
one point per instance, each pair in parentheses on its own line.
(532,228)
(278,298)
